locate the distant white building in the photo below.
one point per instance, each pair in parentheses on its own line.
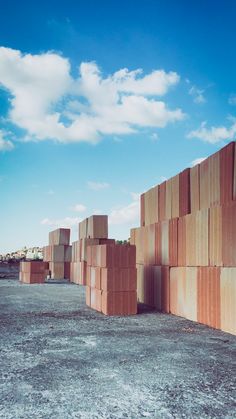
(34,253)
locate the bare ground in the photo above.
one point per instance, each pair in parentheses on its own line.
(60,359)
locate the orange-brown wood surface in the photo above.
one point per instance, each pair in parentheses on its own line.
(162,201)
(208,296)
(142,210)
(175,196)
(168,199)
(215,236)
(182,241)
(226,173)
(184,192)
(183,292)
(229,234)
(195,188)
(228,299)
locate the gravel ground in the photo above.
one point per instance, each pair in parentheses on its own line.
(60,359)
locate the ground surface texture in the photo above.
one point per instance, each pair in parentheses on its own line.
(60,359)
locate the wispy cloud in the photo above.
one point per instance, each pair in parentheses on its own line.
(97,186)
(197,161)
(91,105)
(5,144)
(50,192)
(214,134)
(66,222)
(232,99)
(79,208)
(197,94)
(127,214)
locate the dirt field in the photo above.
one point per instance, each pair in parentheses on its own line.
(60,359)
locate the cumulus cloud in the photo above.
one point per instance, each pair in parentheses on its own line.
(48,103)
(66,222)
(197,161)
(79,208)
(5,145)
(97,186)
(128,214)
(213,134)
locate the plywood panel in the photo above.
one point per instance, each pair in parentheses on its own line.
(191,236)
(215,236)
(168,199)
(208,291)
(142,210)
(226,173)
(195,188)
(173,242)
(184,192)
(183,292)
(204,184)
(165,242)
(214,179)
(229,234)
(182,241)
(228,300)
(202,229)
(175,196)
(162,201)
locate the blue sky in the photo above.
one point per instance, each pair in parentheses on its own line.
(100,100)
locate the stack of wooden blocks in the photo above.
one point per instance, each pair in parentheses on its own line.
(112,279)
(92,231)
(186,244)
(33,272)
(58,253)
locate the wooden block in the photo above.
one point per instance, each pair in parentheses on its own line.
(34,267)
(184,193)
(60,236)
(142,210)
(168,199)
(162,201)
(228,300)
(195,188)
(151,206)
(204,184)
(98,227)
(215,236)
(57,253)
(76,254)
(94,277)
(229,234)
(32,278)
(183,292)
(83,229)
(182,241)
(173,242)
(84,243)
(118,279)
(88,296)
(119,303)
(208,296)
(175,199)
(67,274)
(57,270)
(96,299)
(67,253)
(226,173)
(202,237)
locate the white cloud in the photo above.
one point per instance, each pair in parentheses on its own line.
(49,103)
(197,94)
(154,137)
(197,161)
(79,208)
(97,186)
(66,222)
(5,145)
(128,214)
(125,215)
(213,134)
(232,99)
(50,192)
